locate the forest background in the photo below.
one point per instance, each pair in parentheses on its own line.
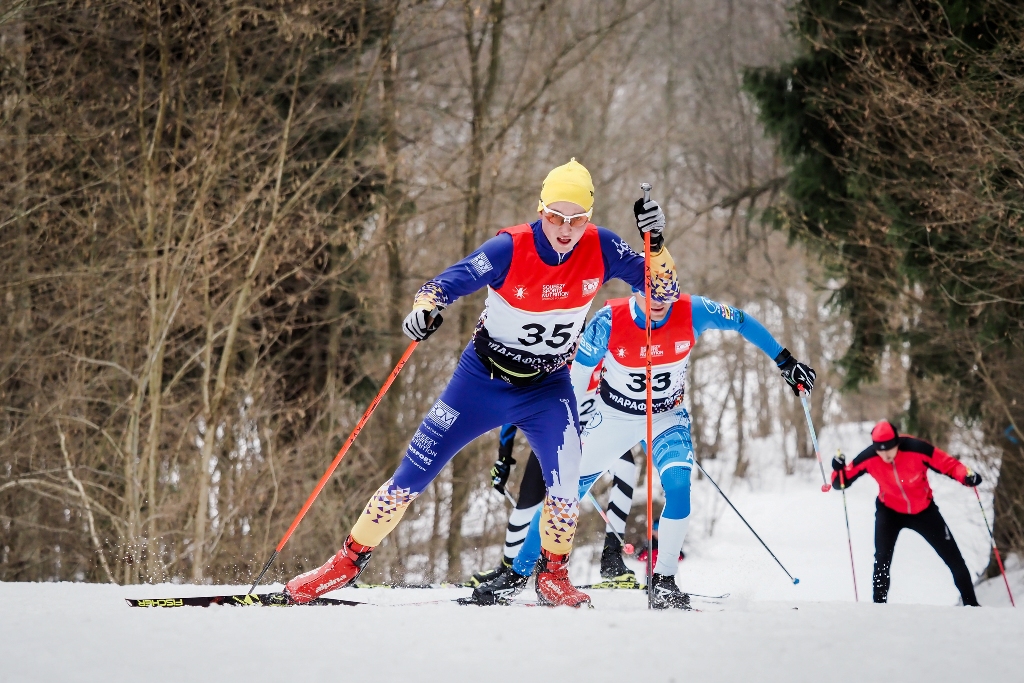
(213,216)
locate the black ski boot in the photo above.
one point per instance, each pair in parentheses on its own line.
(498,591)
(281,599)
(613,570)
(667,594)
(490,574)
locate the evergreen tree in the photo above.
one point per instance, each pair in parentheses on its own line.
(899,122)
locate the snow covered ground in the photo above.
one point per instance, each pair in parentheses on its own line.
(76,632)
(768,630)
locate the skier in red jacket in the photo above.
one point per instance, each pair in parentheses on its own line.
(900,465)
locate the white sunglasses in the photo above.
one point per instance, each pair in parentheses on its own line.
(573,220)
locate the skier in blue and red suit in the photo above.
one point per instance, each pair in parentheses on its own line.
(900,465)
(541,279)
(616,338)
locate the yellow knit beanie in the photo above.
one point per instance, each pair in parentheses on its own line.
(569,182)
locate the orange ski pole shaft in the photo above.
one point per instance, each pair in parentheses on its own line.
(337,460)
(646,187)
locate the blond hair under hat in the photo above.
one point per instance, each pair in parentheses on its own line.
(569,182)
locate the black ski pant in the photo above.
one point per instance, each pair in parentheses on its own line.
(928,523)
(532,488)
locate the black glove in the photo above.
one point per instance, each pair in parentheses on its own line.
(972,478)
(419,325)
(839,462)
(650,218)
(500,472)
(798,376)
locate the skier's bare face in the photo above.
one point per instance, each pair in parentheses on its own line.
(563,235)
(887,456)
(659,309)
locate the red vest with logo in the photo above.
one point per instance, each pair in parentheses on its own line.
(531,324)
(624,382)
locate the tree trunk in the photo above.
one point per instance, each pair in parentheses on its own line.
(740,376)
(14,50)
(151,142)
(391,227)
(1008,522)
(482,92)
(814,359)
(765,393)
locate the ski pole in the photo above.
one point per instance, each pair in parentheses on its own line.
(992,538)
(628,547)
(794,580)
(509,497)
(849,542)
(825,486)
(337,459)
(646,187)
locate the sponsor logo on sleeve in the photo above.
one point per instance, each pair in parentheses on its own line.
(590,286)
(442,415)
(682,346)
(727,312)
(624,249)
(480,264)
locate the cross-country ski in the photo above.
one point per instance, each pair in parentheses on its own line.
(238,600)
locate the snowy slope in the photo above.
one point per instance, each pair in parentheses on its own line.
(768,630)
(75,632)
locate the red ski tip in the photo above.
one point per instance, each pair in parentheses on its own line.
(825,488)
(628,548)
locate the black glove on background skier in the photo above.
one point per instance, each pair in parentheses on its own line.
(797,375)
(503,465)
(501,470)
(839,462)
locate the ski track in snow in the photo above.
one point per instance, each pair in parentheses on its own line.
(768,630)
(85,632)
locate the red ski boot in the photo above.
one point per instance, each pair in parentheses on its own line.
(553,585)
(337,572)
